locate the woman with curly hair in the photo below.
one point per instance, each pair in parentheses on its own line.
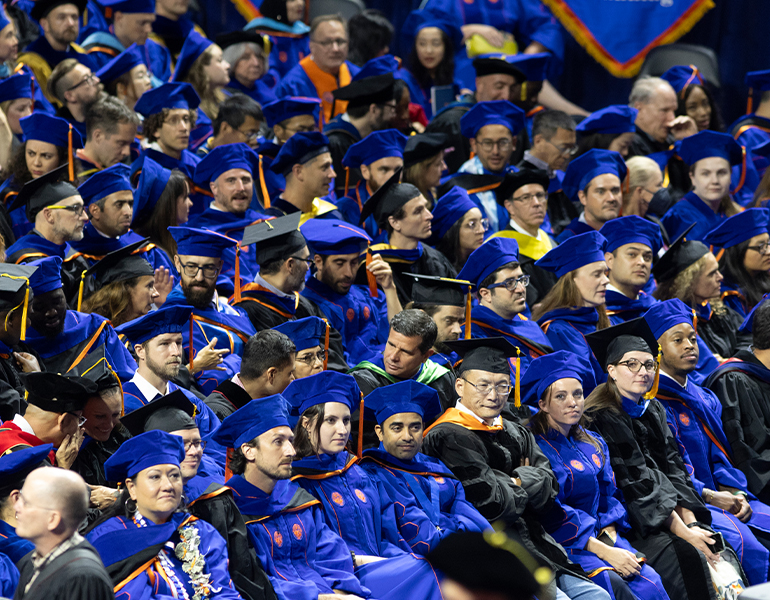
(694,97)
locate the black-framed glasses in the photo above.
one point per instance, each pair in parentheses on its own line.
(309,359)
(487,145)
(511,283)
(76,209)
(529,198)
(341,42)
(191,270)
(197,444)
(90,79)
(308,261)
(761,248)
(567,151)
(81,419)
(501,389)
(473,224)
(635,366)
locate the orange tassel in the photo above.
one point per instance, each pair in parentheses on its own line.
(347,179)
(263,185)
(192,351)
(750,102)
(228,472)
(360,449)
(517,385)
(695,321)
(71,165)
(742,180)
(370,278)
(326,344)
(468,314)
(238,273)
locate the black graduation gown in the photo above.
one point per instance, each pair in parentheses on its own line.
(78,574)
(432,262)
(720,333)
(561,210)
(226,398)
(745,402)
(89,463)
(11,388)
(650,474)
(678,173)
(448,122)
(340,141)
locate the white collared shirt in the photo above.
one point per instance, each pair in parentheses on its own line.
(612,288)
(258,279)
(520,229)
(462,408)
(23,424)
(148,390)
(686,379)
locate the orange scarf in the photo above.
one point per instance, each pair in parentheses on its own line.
(463,419)
(325,84)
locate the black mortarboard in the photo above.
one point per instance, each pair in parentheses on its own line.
(514,181)
(239,37)
(172,412)
(52,392)
(391,196)
(121,264)
(275,239)
(95,367)
(44,191)
(423,146)
(493,64)
(610,344)
(370,90)
(485,354)
(14,280)
(41,8)
(680,255)
(429,289)
(470,182)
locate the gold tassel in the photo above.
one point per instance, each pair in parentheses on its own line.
(654,391)
(360,449)
(517,386)
(468,314)
(71,165)
(326,344)
(80,289)
(238,273)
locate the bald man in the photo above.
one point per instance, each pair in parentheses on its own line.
(63,566)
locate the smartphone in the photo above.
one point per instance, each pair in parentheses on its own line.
(719,542)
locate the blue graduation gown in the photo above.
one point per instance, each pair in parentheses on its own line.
(274,182)
(589,501)
(361,320)
(429,500)
(94,246)
(103,46)
(20,224)
(261,92)
(751,136)
(11,544)
(301,555)
(576,227)
(733,297)
(32,247)
(290,44)
(9,576)
(186,164)
(691,209)
(229,325)
(352,506)
(43,48)
(118,538)
(694,415)
(350,206)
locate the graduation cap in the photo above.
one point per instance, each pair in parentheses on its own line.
(488,354)
(167,319)
(488,258)
(14,291)
(284,109)
(378,144)
(613,120)
(119,265)
(46,190)
(534,66)
(498,64)
(56,393)
(448,210)
(201,242)
(194,45)
(739,228)
(421,19)
(96,367)
(443,291)
(632,229)
(152,183)
(120,65)
(666,314)
(707,144)
(391,196)
(403,397)
(4,20)
(332,236)
(307,332)
(381,65)
(53,130)
(756,81)
(168,95)
(222,159)
(377,89)
(231,38)
(489,562)
(495,112)
(582,170)
(423,146)
(513,181)
(15,466)
(172,412)
(748,322)
(549,368)
(681,77)
(41,8)
(15,87)
(47,277)
(274,9)
(300,148)
(680,255)
(252,420)
(323,387)
(127,6)
(275,238)
(142,452)
(105,182)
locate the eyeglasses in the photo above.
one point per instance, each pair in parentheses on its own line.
(487,145)
(529,198)
(474,223)
(90,79)
(761,248)
(81,419)
(341,42)
(511,283)
(249,135)
(568,151)
(191,270)
(311,358)
(307,261)
(77,209)
(635,366)
(501,389)
(389,105)
(197,444)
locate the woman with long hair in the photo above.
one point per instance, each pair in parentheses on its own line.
(16,103)
(664,510)
(575,307)
(424,162)
(611,128)
(126,76)
(458,226)
(589,516)
(309,337)
(694,97)
(745,258)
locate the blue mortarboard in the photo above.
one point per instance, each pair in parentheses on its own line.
(168,95)
(681,77)
(47,278)
(449,209)
(706,144)
(17,465)
(193,47)
(758,80)
(534,66)
(420,19)
(142,452)
(615,119)
(16,86)
(323,387)
(127,6)
(252,420)
(377,66)
(200,242)
(403,397)
(120,65)
(573,253)
(152,182)
(299,149)
(488,258)
(632,229)
(222,159)
(167,319)
(593,163)
(281,110)
(105,182)
(4,20)
(305,333)
(496,112)
(748,323)
(549,369)
(739,228)
(376,145)
(45,128)
(332,236)
(666,314)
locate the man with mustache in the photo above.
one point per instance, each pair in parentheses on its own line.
(595,179)
(76,88)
